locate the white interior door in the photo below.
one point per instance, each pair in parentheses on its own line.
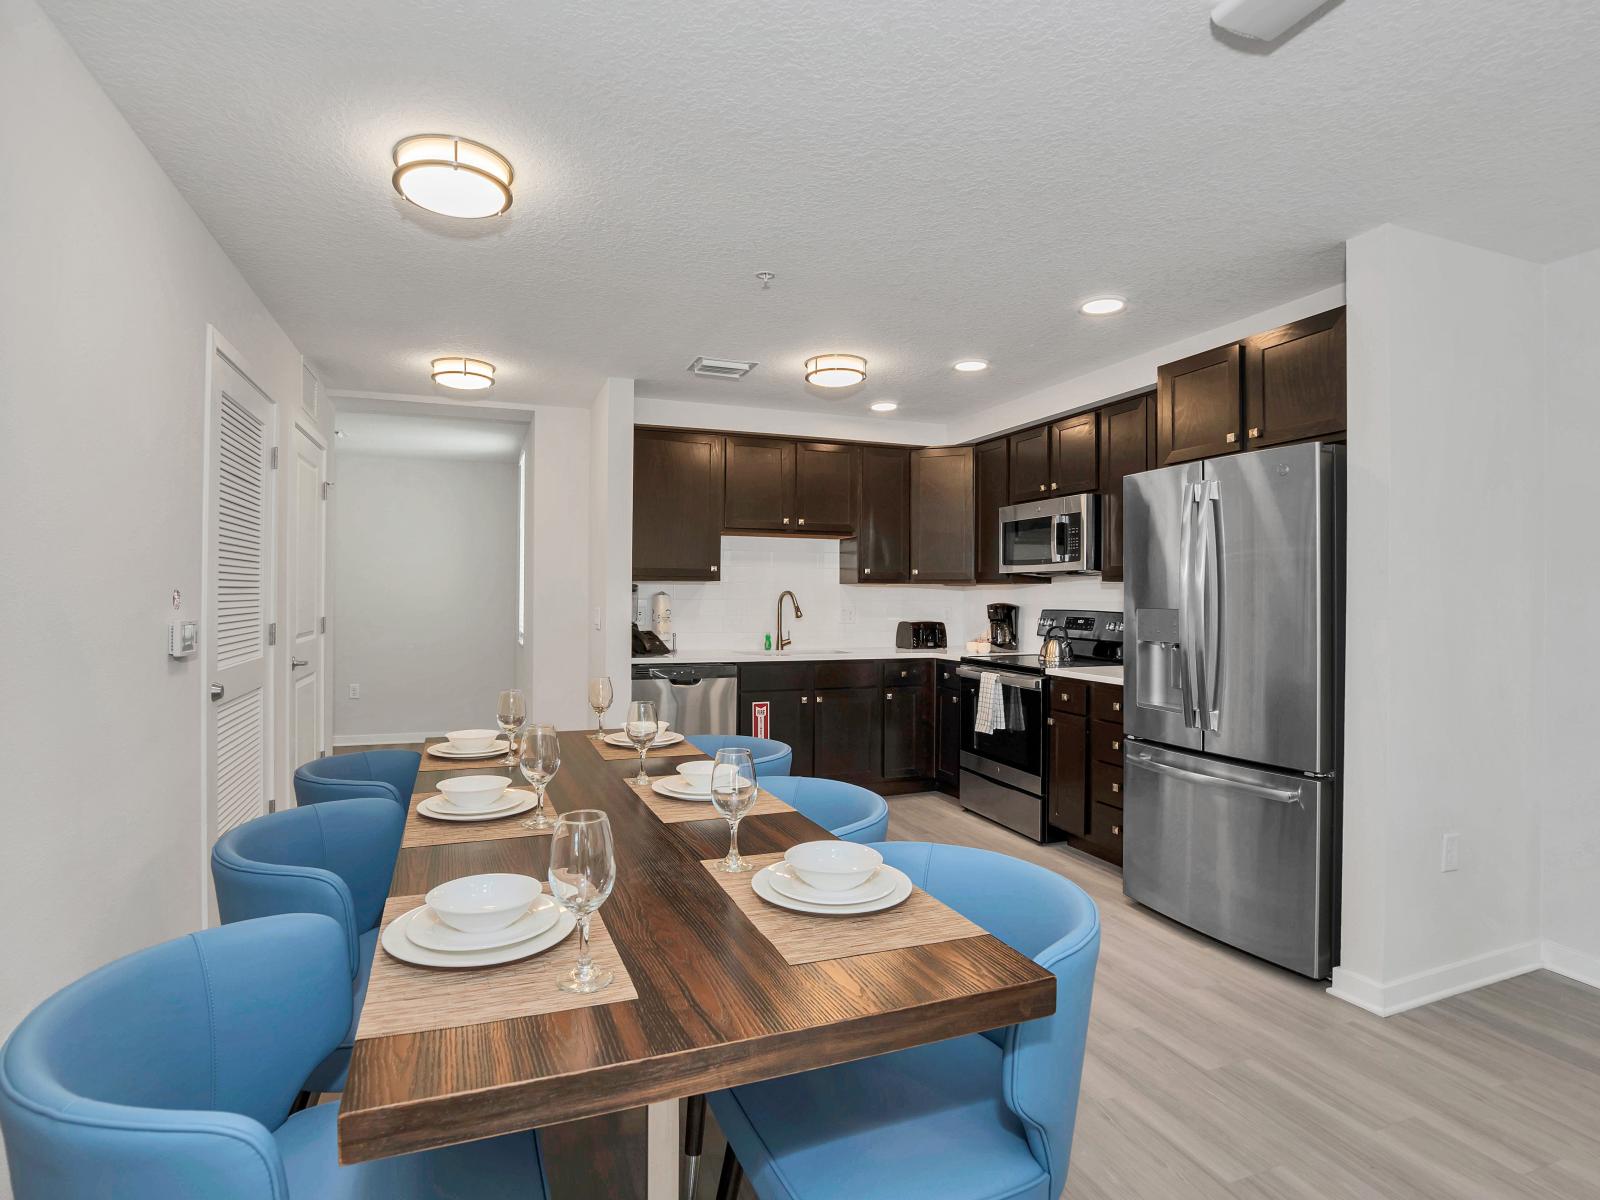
(306,626)
(239,556)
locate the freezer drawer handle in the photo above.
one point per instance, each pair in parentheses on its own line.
(1282,795)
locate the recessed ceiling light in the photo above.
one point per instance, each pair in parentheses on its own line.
(883,406)
(463,374)
(836,370)
(451,175)
(1102,306)
(971,364)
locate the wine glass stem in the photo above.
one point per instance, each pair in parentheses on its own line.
(585,967)
(643,750)
(733,841)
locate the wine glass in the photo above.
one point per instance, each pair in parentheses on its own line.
(583,870)
(513,711)
(599,700)
(733,793)
(540,760)
(641,731)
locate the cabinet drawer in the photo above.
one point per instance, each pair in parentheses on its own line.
(897,673)
(1106,741)
(1105,827)
(1105,786)
(948,679)
(1069,696)
(847,674)
(776,677)
(1105,702)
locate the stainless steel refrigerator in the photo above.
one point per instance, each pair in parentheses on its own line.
(1234,684)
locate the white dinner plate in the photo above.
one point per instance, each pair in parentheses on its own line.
(398,944)
(427,930)
(791,885)
(762,883)
(669,738)
(445,750)
(673,790)
(515,800)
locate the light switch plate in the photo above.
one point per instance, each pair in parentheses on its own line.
(183,638)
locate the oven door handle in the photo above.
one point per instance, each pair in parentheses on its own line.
(1031,683)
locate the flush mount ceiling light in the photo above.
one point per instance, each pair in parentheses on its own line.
(463,374)
(451,175)
(836,370)
(883,406)
(1102,306)
(971,364)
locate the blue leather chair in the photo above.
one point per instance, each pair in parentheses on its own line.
(335,859)
(843,809)
(983,1117)
(771,758)
(391,773)
(169,1075)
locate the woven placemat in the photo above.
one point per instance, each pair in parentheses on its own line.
(803,938)
(672,811)
(402,998)
(683,749)
(431,762)
(426,831)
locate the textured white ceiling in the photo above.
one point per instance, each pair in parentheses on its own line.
(406,436)
(929,179)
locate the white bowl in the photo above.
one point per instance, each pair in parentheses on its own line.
(474,793)
(833,866)
(480,903)
(697,775)
(473,741)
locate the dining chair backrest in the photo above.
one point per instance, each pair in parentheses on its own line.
(1052,920)
(772,758)
(843,809)
(391,773)
(161,1074)
(334,858)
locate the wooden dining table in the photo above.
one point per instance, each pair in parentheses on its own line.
(717,1004)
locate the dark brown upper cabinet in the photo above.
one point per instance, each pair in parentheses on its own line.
(1074,455)
(775,485)
(677,504)
(1029,464)
(880,552)
(943,507)
(1294,381)
(1200,406)
(1124,451)
(990,461)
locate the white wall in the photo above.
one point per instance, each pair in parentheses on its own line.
(1569,704)
(108,283)
(425,580)
(555,660)
(1444,617)
(611,534)
(893,428)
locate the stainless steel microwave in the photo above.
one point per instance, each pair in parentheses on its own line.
(1051,537)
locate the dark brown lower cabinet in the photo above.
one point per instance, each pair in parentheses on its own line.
(789,721)
(947,765)
(846,736)
(1086,766)
(1069,790)
(907,732)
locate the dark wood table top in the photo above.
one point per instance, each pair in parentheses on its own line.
(718,1005)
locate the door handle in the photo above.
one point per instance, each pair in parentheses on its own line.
(1282,795)
(1209,589)
(296,663)
(1186,615)
(216,691)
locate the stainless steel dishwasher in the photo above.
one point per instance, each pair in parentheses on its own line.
(695,697)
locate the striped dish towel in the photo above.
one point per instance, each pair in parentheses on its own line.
(991,714)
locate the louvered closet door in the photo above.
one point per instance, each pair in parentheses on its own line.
(239,546)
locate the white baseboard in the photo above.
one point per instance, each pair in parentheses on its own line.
(1413,991)
(1574,964)
(380,739)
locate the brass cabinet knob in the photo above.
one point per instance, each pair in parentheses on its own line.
(867,571)
(786,520)
(1232,438)
(1049,720)
(888,695)
(1041,487)
(802,520)
(1116,831)
(1053,486)
(805,699)
(913,570)
(713,570)
(1116,706)
(1116,788)
(1255,431)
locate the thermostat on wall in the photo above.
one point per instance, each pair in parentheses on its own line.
(183,638)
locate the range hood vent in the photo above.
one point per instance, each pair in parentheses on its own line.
(721,368)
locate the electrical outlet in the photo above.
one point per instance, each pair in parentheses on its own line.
(355,691)
(1450,853)
(847,616)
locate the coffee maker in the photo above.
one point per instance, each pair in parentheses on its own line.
(1003,626)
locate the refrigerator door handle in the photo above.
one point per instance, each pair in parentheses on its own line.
(1281,795)
(1188,639)
(1208,589)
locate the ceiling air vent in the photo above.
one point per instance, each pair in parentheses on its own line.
(721,368)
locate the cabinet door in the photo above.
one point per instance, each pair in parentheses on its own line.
(881,550)
(1124,451)
(907,733)
(677,504)
(1069,791)
(760,485)
(1294,381)
(789,721)
(846,734)
(1030,464)
(1199,407)
(1075,455)
(942,508)
(825,487)
(947,769)
(990,462)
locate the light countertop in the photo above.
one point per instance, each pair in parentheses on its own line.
(1092,674)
